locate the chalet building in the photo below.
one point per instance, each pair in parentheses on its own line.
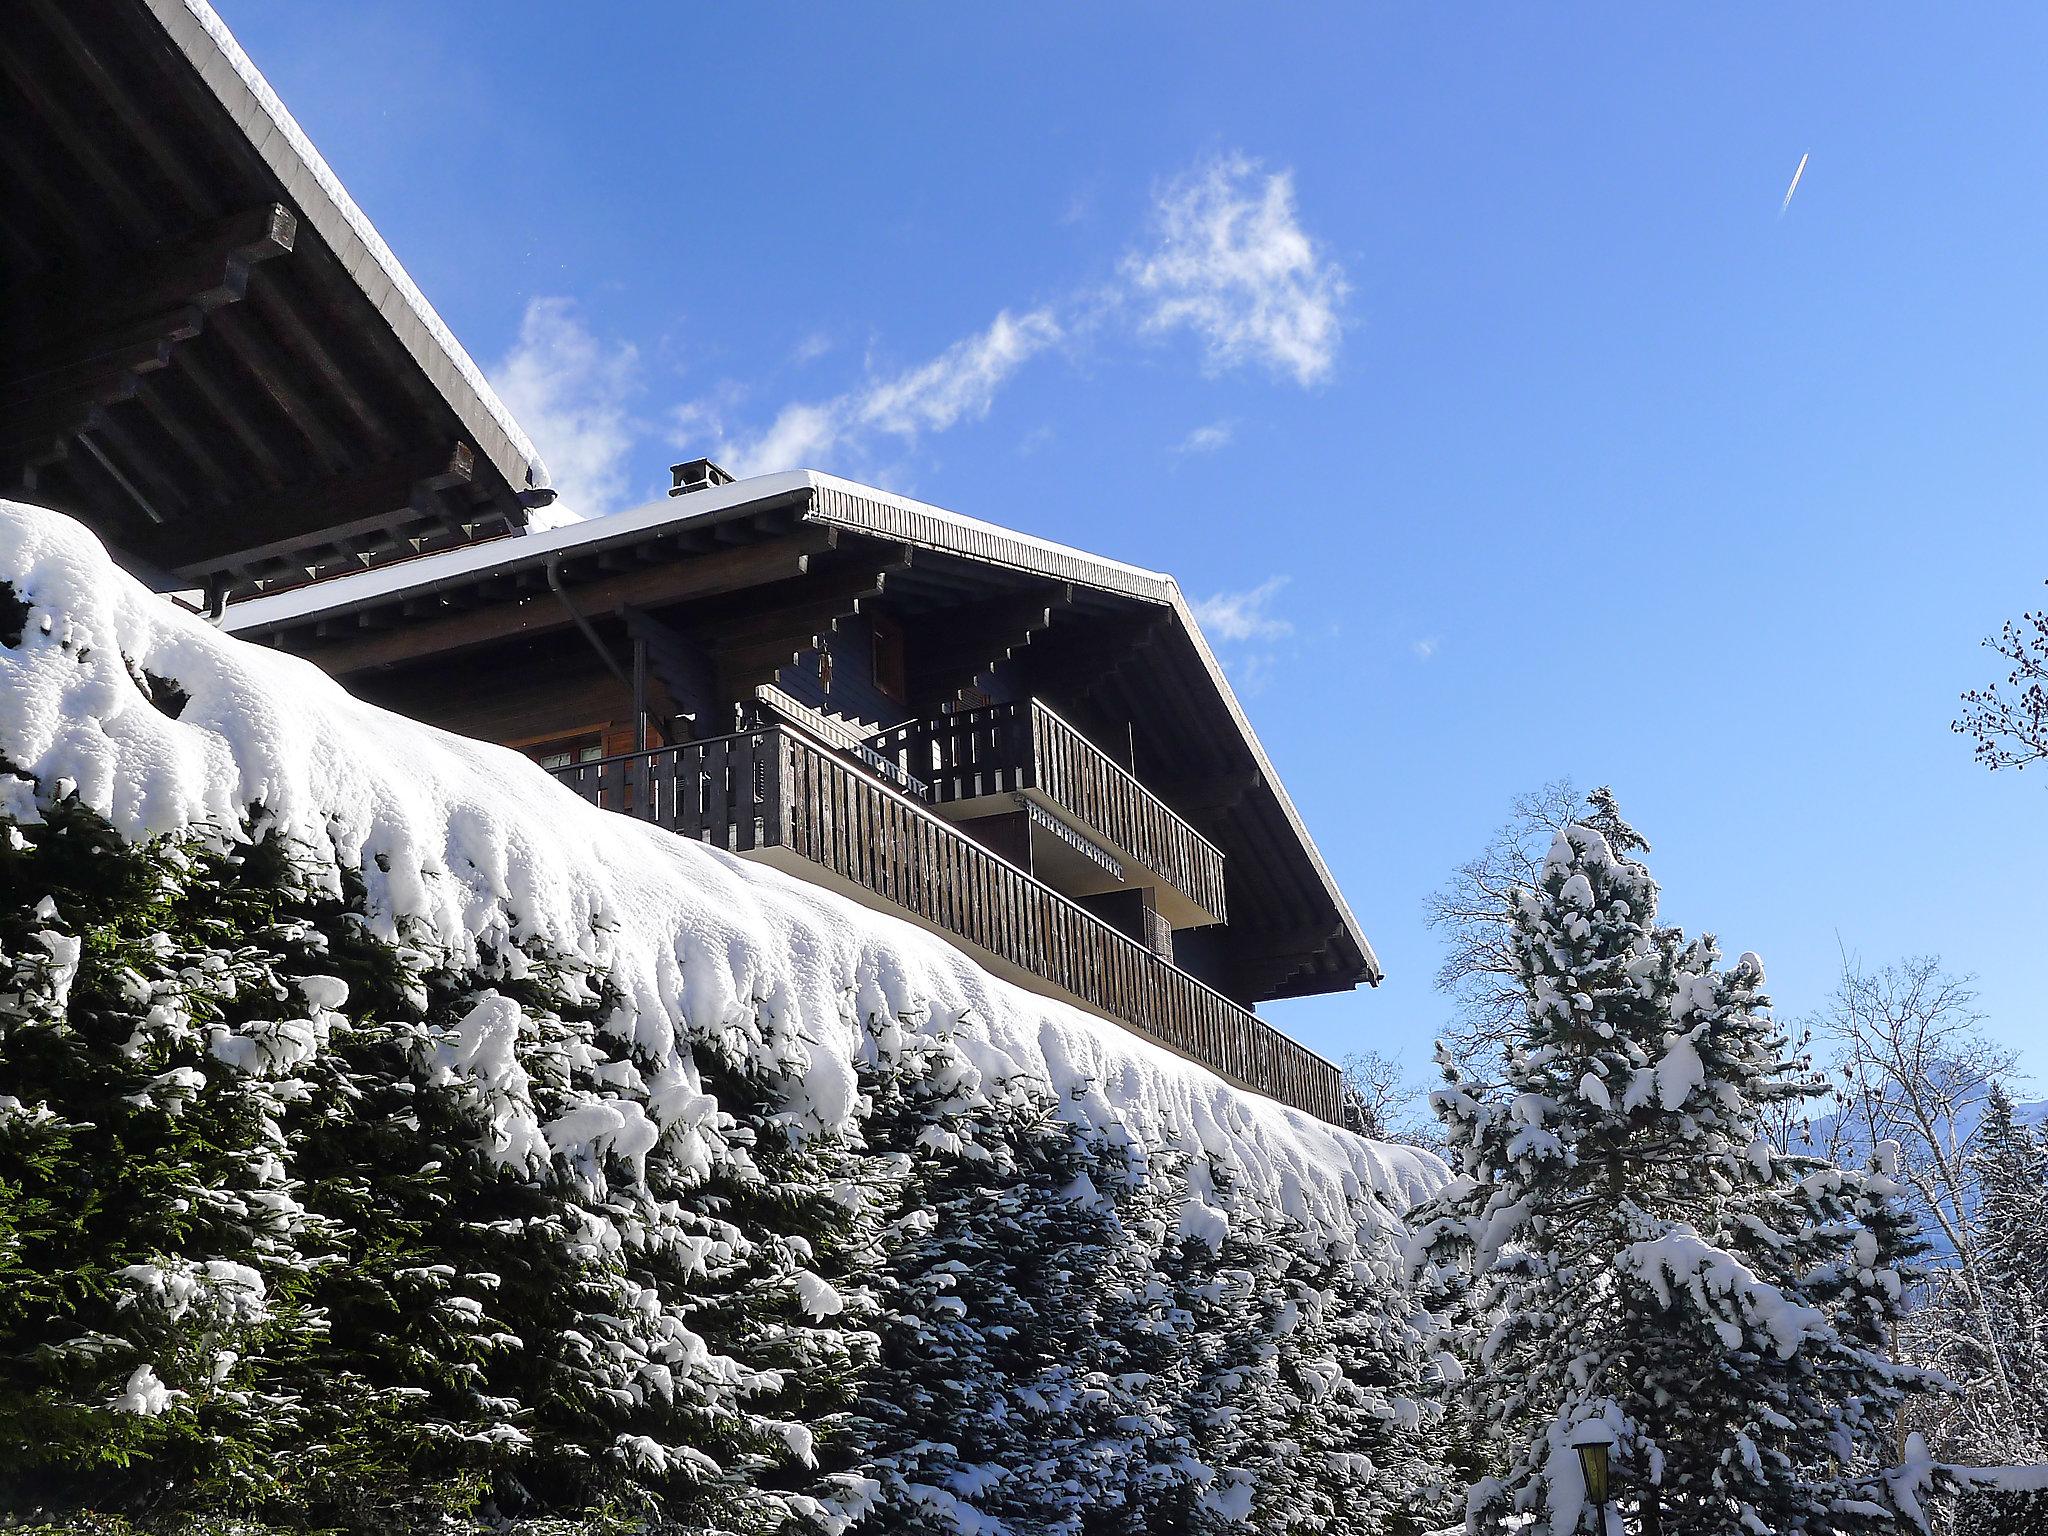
(212,359)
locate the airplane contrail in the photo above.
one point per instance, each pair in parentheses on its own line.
(1795,185)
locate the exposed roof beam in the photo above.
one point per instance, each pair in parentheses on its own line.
(33,84)
(86,55)
(993,632)
(205,271)
(282,382)
(315,507)
(706,575)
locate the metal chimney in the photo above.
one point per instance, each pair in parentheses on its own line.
(696,475)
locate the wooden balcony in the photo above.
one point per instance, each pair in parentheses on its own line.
(1024,748)
(779,795)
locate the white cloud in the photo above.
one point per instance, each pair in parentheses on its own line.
(1240,617)
(1217,434)
(1038,437)
(1231,262)
(570,392)
(1424,649)
(959,384)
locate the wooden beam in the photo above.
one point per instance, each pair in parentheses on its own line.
(36,86)
(98,368)
(306,341)
(57,17)
(1255,948)
(975,637)
(197,370)
(340,505)
(59,315)
(149,399)
(731,570)
(812,607)
(1210,796)
(33,198)
(281,380)
(81,340)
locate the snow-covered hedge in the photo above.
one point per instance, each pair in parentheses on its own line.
(388,1137)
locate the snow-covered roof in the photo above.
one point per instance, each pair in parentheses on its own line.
(815,499)
(198,32)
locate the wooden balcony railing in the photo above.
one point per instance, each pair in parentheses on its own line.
(775,788)
(1025,746)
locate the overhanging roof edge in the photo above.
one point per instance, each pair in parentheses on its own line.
(1266,771)
(198,32)
(864,509)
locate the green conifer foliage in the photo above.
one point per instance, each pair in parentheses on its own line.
(1629,1262)
(306,1228)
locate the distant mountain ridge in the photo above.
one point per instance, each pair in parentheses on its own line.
(1821,1131)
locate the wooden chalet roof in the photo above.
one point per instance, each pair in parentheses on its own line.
(1122,638)
(209,355)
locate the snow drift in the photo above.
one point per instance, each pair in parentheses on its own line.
(163,724)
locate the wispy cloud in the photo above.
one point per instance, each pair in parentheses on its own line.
(571,391)
(1226,261)
(1237,617)
(1231,262)
(1217,434)
(959,384)
(1423,649)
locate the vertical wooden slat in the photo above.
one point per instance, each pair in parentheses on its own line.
(777,788)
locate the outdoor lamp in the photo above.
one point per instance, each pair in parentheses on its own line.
(1593,1462)
(1591,1440)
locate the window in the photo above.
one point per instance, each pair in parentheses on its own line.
(566,754)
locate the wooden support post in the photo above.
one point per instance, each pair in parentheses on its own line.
(639,693)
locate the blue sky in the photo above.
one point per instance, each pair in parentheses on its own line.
(1460,357)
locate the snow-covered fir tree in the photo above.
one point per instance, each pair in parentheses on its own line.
(1630,1263)
(976,1255)
(1980,1317)
(2011,1168)
(425,1168)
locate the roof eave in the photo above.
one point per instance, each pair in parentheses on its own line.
(205,41)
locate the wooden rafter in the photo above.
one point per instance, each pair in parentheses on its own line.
(735,570)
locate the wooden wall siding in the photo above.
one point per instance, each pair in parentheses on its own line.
(545,688)
(854,694)
(1024,745)
(775,788)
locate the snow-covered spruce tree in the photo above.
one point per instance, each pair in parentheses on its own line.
(1356,1444)
(1634,1264)
(985,1293)
(1136,1358)
(2010,1167)
(288,1236)
(155,1256)
(1228,1269)
(1304,1388)
(793,1216)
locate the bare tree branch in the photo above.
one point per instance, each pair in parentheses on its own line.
(2011,729)
(1917,1069)
(1381,1101)
(1471,911)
